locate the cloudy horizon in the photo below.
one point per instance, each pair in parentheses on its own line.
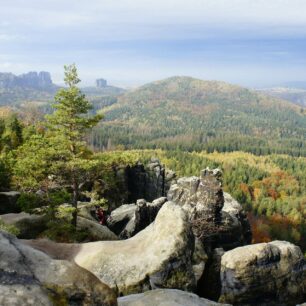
(254,43)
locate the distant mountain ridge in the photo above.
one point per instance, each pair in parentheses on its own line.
(191,114)
(294,95)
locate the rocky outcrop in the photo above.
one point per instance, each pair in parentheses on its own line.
(127,220)
(29,226)
(30,277)
(41,80)
(264,274)
(96,231)
(8,202)
(158,256)
(148,182)
(163,297)
(218,220)
(201,197)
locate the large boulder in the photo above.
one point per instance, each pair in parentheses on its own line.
(30,277)
(8,202)
(264,274)
(165,297)
(217,219)
(29,226)
(158,256)
(128,220)
(96,231)
(120,217)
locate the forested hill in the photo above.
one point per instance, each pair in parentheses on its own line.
(191,114)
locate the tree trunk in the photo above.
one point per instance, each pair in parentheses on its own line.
(75,187)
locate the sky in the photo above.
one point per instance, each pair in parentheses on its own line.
(255,43)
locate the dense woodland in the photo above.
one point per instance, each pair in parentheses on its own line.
(271,187)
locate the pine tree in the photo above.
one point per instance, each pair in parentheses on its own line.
(68,126)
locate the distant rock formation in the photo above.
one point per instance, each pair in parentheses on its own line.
(34,80)
(101,83)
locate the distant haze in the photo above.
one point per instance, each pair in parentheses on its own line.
(256,43)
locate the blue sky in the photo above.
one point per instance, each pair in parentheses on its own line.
(131,42)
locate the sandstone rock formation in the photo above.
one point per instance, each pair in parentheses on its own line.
(218,220)
(200,196)
(264,274)
(29,226)
(158,256)
(41,80)
(96,231)
(30,277)
(128,220)
(120,217)
(8,202)
(149,181)
(165,297)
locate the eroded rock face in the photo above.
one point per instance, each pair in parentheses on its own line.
(165,297)
(200,196)
(218,220)
(149,181)
(130,219)
(264,274)
(30,277)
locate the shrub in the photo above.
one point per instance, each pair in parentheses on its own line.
(29,201)
(9,228)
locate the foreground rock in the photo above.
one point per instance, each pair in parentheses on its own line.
(165,297)
(264,274)
(130,219)
(30,277)
(29,226)
(218,220)
(158,256)
(8,202)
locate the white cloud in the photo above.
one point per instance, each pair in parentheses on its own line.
(101,36)
(147,13)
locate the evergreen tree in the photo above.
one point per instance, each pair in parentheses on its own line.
(68,126)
